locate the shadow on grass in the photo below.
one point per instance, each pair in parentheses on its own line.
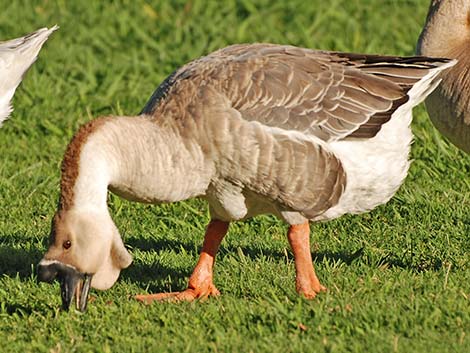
(18,309)
(18,262)
(22,262)
(249,251)
(411,262)
(142,274)
(155,277)
(159,278)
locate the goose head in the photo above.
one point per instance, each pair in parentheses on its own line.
(447,26)
(85,251)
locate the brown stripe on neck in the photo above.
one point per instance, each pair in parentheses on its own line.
(71,162)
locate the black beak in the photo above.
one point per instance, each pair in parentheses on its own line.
(72,282)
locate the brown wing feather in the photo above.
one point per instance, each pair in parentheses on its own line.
(327,94)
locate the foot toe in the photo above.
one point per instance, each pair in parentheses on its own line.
(310,292)
(149,298)
(189,294)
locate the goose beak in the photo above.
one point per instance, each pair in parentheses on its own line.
(78,285)
(72,282)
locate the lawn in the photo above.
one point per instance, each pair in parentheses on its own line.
(398,277)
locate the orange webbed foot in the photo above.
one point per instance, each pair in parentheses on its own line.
(200,283)
(311,291)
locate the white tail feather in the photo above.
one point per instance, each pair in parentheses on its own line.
(428,83)
(16,56)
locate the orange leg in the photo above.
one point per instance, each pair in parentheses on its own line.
(200,283)
(307,283)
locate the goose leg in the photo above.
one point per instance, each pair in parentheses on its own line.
(200,283)
(307,283)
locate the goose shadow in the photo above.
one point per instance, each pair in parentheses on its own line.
(18,262)
(139,273)
(252,252)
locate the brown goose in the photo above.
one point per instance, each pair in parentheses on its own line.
(305,135)
(447,34)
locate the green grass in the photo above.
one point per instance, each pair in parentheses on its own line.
(398,277)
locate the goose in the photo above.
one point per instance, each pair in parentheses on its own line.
(16,57)
(446,33)
(302,134)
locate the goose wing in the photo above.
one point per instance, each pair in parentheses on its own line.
(329,95)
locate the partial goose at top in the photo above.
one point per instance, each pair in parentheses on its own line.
(253,128)
(16,56)
(446,33)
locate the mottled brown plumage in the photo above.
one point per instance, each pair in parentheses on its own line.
(326,94)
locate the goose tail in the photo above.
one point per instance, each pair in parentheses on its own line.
(431,80)
(16,57)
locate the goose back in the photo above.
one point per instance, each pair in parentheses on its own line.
(267,114)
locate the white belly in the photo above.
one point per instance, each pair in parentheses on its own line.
(375,167)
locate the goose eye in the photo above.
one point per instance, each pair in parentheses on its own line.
(67,244)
